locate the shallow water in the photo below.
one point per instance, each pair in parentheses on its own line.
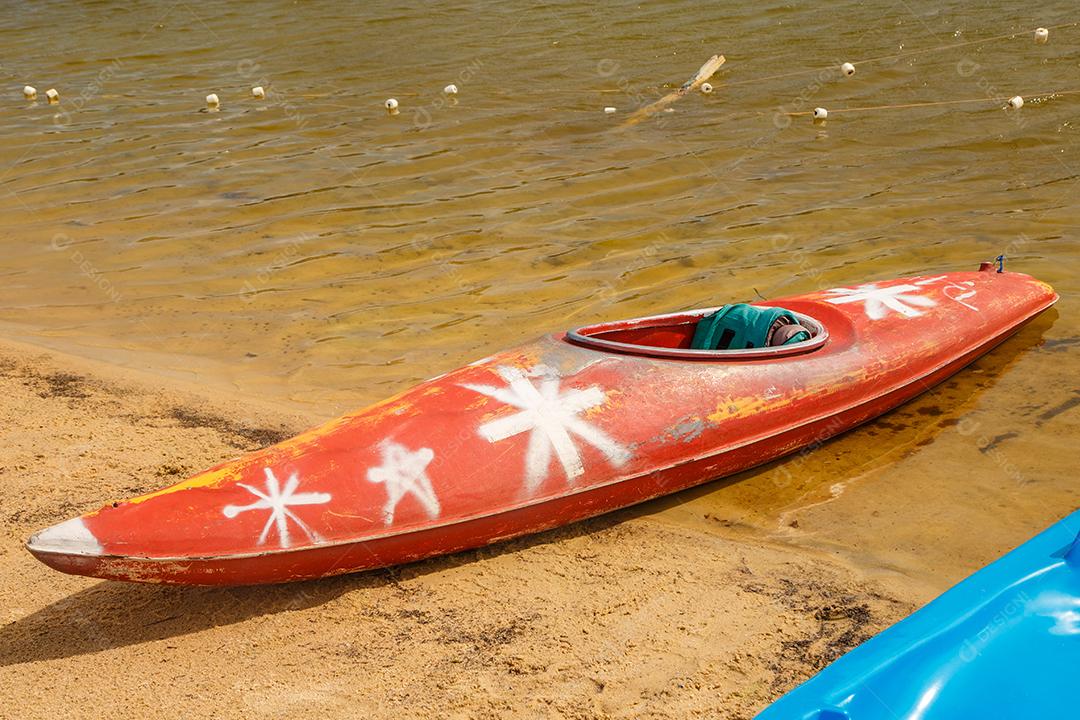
(311,249)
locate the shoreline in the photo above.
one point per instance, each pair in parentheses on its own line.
(196,378)
(600,619)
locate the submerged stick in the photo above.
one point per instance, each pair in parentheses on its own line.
(704,73)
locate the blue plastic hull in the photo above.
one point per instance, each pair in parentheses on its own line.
(1004,643)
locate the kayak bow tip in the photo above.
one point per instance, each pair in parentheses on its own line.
(70,537)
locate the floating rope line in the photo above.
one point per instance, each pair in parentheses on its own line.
(932,104)
(794,73)
(895,56)
(966,44)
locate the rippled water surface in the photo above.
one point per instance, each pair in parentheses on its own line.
(315,250)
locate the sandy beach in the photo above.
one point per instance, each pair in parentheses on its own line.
(618,617)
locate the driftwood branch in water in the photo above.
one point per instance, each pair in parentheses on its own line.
(704,73)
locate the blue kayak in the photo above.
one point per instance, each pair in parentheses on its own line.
(1004,643)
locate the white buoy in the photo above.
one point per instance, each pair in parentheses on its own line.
(29,92)
(450,89)
(609,110)
(212,101)
(706,88)
(391,104)
(54,97)
(1042,35)
(1016,102)
(820,113)
(848,69)
(258,92)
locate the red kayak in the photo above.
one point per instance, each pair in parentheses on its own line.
(567,427)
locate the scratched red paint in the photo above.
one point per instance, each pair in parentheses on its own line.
(541,436)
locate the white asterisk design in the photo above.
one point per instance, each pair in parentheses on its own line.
(277,500)
(404,472)
(880,300)
(550,416)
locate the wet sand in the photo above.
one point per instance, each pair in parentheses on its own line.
(629,615)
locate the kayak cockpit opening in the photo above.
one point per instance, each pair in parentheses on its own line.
(731,332)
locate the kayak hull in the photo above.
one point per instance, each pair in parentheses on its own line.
(585,468)
(1003,643)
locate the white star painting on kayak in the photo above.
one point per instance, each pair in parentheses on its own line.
(404,472)
(277,500)
(880,300)
(551,417)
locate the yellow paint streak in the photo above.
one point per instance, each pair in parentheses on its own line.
(1049,288)
(750,405)
(209,478)
(479,402)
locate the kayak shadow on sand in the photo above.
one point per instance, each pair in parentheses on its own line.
(109,615)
